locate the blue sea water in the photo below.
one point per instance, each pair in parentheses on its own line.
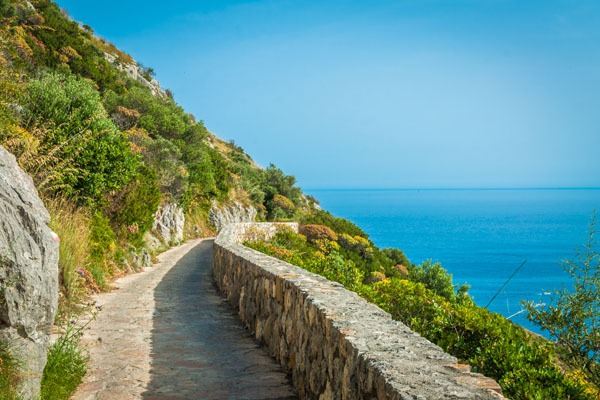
(480,236)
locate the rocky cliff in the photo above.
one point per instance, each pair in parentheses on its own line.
(28,273)
(169,222)
(221,216)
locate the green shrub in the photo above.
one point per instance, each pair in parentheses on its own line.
(164,157)
(436,278)
(75,124)
(66,366)
(60,33)
(132,209)
(157,115)
(525,367)
(339,225)
(280,208)
(275,181)
(396,257)
(335,267)
(315,232)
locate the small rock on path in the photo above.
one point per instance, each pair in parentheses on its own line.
(166,334)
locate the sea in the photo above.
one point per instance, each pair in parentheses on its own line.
(481,236)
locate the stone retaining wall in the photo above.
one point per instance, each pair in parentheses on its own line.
(334,344)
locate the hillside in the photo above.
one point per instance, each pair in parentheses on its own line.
(102,140)
(125,172)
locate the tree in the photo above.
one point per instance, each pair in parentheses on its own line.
(573,316)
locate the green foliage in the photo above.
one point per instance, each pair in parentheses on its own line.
(339,225)
(164,157)
(9,373)
(158,116)
(208,173)
(77,125)
(320,256)
(132,210)
(250,178)
(103,246)
(525,366)
(280,207)
(59,44)
(335,267)
(275,182)
(66,365)
(7,10)
(573,316)
(396,257)
(436,278)
(357,244)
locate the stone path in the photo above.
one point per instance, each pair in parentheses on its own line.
(166,334)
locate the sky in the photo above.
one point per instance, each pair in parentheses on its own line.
(380,93)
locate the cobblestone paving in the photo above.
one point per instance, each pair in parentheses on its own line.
(166,334)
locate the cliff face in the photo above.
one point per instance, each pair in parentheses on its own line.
(234,212)
(28,273)
(134,71)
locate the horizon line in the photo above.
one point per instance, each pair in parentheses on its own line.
(457,188)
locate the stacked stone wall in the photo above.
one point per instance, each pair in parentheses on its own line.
(334,344)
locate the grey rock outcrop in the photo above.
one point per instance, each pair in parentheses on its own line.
(169,222)
(135,72)
(221,216)
(28,273)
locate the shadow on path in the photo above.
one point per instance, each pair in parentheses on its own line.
(200,349)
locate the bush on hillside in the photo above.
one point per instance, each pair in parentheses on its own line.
(315,232)
(339,225)
(280,207)
(525,367)
(164,157)
(69,113)
(436,278)
(58,43)
(131,210)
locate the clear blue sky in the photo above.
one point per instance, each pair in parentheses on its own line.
(406,94)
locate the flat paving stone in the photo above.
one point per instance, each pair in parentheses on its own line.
(166,334)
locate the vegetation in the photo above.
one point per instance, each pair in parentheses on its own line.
(66,364)
(9,373)
(573,316)
(105,151)
(425,299)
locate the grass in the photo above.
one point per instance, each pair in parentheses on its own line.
(66,366)
(9,373)
(73,227)
(196,224)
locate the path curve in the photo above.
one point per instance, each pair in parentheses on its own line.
(166,334)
